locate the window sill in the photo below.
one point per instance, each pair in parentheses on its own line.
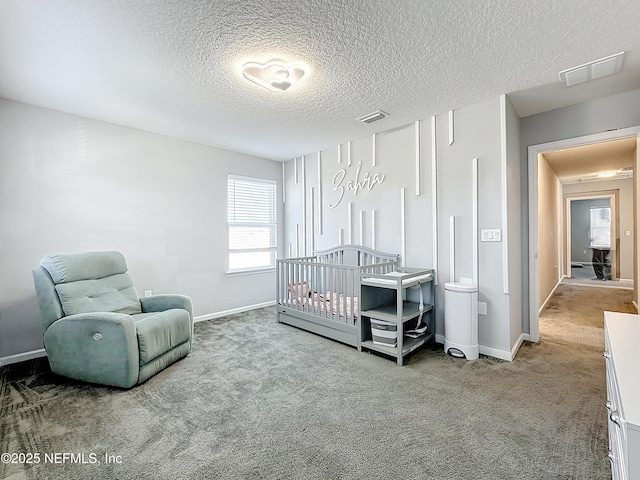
(254,271)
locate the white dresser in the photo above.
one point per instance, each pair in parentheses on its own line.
(622,354)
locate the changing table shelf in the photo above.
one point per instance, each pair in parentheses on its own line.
(395,297)
(390,312)
(409,345)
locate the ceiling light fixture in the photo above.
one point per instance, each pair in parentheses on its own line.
(607,173)
(592,70)
(621,174)
(373,117)
(275,75)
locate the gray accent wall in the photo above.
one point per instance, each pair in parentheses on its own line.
(608,113)
(71,184)
(489,132)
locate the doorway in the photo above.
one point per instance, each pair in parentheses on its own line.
(553,218)
(592,243)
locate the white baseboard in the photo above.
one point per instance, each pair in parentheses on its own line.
(517,345)
(553,290)
(526,337)
(492,352)
(495,353)
(22,357)
(224,313)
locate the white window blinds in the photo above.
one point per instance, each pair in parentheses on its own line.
(252,223)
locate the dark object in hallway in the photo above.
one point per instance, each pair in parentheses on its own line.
(601,267)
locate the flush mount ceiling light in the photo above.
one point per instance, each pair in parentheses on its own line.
(620,174)
(607,173)
(373,117)
(274,75)
(592,70)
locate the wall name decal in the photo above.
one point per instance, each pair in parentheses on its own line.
(368,181)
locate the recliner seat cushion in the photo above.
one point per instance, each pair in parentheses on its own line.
(159,332)
(110,294)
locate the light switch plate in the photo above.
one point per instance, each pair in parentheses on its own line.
(490,235)
(482,308)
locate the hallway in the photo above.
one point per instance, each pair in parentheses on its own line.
(574,313)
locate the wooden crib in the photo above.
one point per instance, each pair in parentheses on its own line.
(321,293)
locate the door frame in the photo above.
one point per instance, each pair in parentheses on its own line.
(532,157)
(613,204)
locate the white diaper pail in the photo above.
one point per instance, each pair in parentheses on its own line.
(461,320)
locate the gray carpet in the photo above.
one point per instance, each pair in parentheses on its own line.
(257,399)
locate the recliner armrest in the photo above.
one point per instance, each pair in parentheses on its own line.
(98,347)
(160,303)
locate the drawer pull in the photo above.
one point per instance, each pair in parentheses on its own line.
(609,406)
(615,417)
(611,456)
(606,354)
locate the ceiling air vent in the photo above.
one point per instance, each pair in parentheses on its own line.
(373,117)
(592,70)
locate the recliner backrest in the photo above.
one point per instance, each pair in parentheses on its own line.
(69,284)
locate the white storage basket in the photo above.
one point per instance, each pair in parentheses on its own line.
(384,333)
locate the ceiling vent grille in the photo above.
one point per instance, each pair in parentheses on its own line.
(590,71)
(373,116)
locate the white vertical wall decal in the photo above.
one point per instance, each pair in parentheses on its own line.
(452,248)
(403,233)
(362,227)
(297,240)
(434,197)
(284,183)
(374,231)
(339,153)
(373,150)
(474,232)
(295,170)
(319,192)
(313,220)
(503,172)
(350,222)
(304,205)
(417,138)
(341,236)
(349,153)
(451,131)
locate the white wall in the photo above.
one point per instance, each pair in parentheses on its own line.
(478,133)
(70,184)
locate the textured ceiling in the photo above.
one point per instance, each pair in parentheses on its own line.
(171,66)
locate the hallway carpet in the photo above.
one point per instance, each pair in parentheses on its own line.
(258,399)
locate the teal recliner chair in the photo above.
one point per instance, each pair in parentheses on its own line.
(97,330)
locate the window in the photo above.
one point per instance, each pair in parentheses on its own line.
(600,228)
(251,223)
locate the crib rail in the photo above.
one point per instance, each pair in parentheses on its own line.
(324,288)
